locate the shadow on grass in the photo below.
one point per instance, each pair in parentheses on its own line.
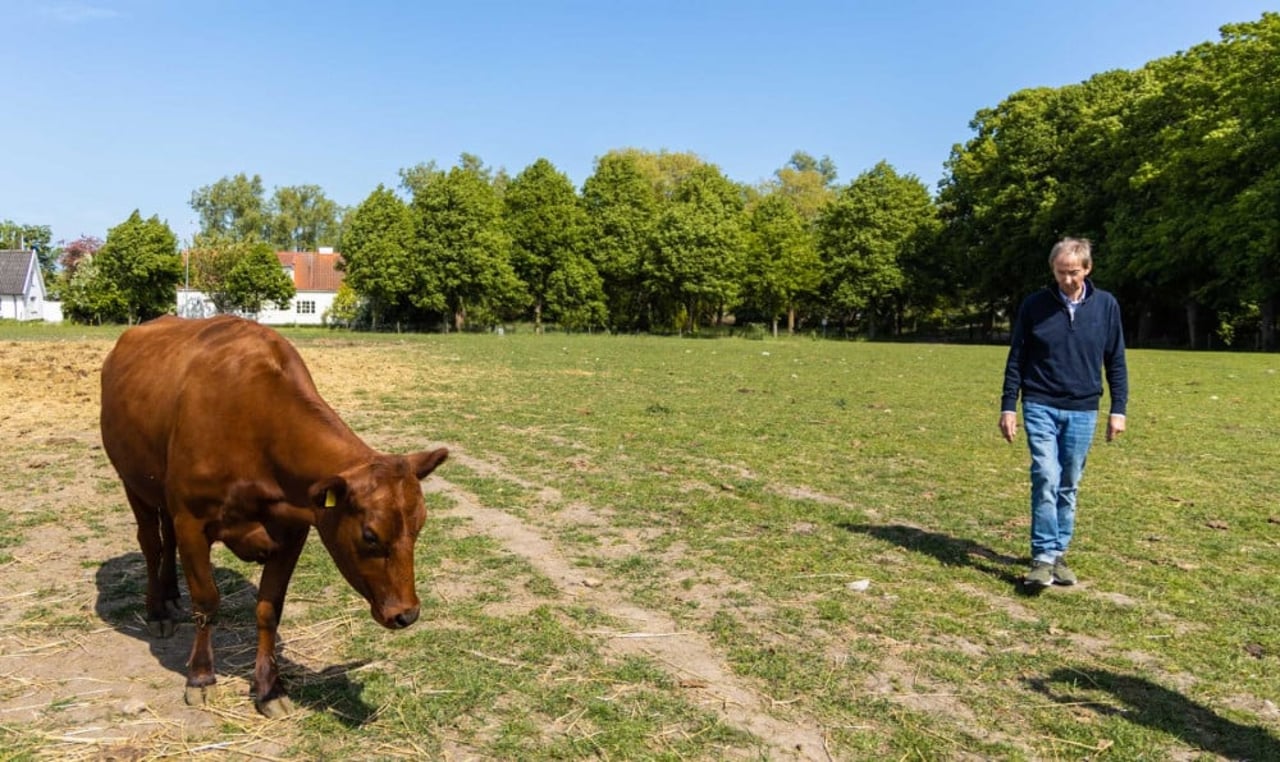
(950,551)
(122,583)
(1159,708)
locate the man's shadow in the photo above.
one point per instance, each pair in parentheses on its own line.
(122,585)
(1157,707)
(950,551)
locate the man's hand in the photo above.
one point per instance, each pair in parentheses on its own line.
(1115,426)
(1009,426)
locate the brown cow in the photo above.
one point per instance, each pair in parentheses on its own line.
(219,434)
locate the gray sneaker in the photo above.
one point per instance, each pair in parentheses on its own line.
(1041,574)
(1062,574)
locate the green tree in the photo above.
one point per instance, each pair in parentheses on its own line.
(547,226)
(575,295)
(462,251)
(807,182)
(302,218)
(1247,225)
(345,310)
(664,170)
(29,238)
(864,237)
(91,299)
(1185,175)
(140,261)
(257,279)
(781,263)
(998,196)
(207,263)
(233,207)
(377,254)
(695,265)
(622,208)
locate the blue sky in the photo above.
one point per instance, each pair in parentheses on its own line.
(116,105)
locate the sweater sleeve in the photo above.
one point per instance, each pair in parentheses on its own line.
(1117,370)
(1013,365)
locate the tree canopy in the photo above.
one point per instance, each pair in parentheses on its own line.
(133,277)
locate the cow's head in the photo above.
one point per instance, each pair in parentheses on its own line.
(369,518)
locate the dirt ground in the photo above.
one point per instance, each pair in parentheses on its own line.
(89,681)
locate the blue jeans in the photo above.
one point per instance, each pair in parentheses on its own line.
(1059,441)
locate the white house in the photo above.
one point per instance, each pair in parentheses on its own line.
(315,276)
(22,292)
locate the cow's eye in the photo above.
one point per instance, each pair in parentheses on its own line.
(370,538)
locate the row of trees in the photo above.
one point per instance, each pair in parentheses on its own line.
(654,242)
(1173,170)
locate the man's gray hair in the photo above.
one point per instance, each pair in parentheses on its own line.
(1080,248)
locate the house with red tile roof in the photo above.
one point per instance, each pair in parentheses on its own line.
(315,275)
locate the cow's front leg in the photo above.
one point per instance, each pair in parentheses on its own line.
(270,696)
(194,549)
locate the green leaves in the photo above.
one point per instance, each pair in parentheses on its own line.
(1169,169)
(135,273)
(377,253)
(864,238)
(256,279)
(547,226)
(462,251)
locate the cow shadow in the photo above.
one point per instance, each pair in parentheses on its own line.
(950,551)
(122,584)
(1146,703)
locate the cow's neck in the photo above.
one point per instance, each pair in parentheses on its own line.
(315,445)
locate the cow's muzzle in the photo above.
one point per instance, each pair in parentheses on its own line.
(398,620)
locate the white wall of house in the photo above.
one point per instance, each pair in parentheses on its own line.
(32,303)
(306,308)
(13,307)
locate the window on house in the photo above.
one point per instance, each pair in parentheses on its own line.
(306,308)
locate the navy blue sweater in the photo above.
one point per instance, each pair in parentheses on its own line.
(1058,360)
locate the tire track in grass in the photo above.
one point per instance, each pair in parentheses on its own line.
(690,656)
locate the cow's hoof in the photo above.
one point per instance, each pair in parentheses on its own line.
(161,628)
(198,695)
(275,708)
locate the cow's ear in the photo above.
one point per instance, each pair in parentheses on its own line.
(424,463)
(328,493)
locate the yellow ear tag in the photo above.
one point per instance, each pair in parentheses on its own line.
(329,499)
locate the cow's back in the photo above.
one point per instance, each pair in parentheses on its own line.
(172,374)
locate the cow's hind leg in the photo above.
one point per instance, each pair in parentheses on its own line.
(169,565)
(198,568)
(270,696)
(149,518)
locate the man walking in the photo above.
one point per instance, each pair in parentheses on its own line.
(1064,338)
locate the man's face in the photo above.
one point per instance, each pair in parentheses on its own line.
(1070,275)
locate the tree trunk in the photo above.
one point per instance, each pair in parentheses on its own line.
(1267,324)
(1193,320)
(1144,325)
(791,321)
(537,317)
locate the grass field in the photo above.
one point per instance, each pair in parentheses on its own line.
(659,548)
